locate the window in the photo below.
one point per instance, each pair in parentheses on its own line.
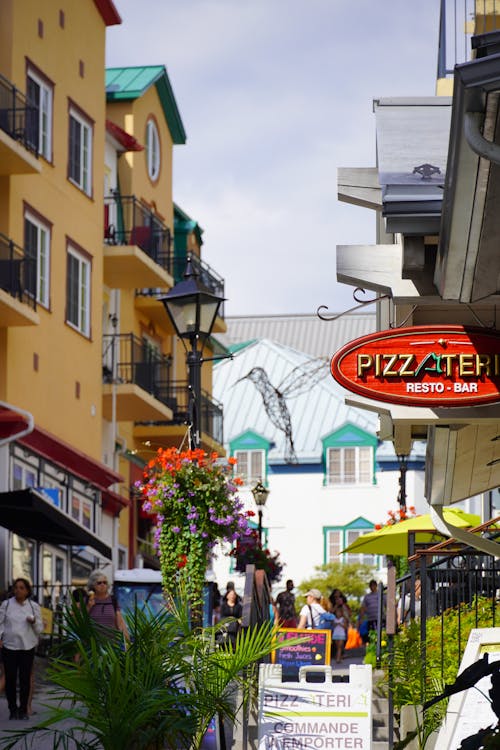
(339,539)
(250,466)
(37,250)
(78,292)
(333,545)
(82,511)
(39,94)
(152,149)
(23,476)
(352,465)
(356,557)
(80,151)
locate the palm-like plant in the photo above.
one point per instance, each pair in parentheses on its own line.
(160,692)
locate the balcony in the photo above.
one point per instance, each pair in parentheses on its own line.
(17,286)
(137,245)
(18,132)
(460,21)
(147,299)
(211,420)
(135,380)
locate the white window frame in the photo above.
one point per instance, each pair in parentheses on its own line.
(345,537)
(45,115)
(254,463)
(362,469)
(78,503)
(26,475)
(43,242)
(358,557)
(333,546)
(153,152)
(83,179)
(82,322)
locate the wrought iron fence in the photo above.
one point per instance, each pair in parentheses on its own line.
(463,585)
(18,119)
(210,413)
(129,221)
(210,278)
(17,272)
(129,359)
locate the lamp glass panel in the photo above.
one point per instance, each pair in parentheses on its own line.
(183,315)
(208,313)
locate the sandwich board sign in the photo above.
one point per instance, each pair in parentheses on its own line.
(314,650)
(315,716)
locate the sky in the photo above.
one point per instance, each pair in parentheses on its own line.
(275,95)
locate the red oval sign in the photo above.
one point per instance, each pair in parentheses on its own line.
(423,366)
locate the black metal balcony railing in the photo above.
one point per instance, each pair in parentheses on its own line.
(17,118)
(210,413)
(17,272)
(129,359)
(128,221)
(207,276)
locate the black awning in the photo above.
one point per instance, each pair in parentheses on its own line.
(30,514)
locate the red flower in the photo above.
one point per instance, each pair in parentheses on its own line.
(182,561)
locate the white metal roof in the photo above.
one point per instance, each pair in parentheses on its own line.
(305,333)
(315,412)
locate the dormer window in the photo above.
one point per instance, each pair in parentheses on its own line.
(152,150)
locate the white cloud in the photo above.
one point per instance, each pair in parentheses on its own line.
(274,96)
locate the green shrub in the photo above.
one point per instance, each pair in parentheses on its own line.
(420,673)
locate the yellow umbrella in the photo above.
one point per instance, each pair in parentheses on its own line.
(393,540)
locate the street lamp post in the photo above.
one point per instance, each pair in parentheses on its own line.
(192,309)
(260,495)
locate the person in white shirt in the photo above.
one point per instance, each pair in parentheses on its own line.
(312,608)
(20,626)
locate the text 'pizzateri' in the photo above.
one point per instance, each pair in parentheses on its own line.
(445,364)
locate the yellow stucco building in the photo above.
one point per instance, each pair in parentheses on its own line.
(92,378)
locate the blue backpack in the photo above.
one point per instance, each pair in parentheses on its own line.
(326,620)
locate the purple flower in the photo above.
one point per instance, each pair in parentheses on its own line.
(175,529)
(193,528)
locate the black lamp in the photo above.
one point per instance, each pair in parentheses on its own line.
(260,495)
(192,308)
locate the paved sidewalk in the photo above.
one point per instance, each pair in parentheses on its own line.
(40,697)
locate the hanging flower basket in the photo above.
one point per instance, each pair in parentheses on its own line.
(248,551)
(194,500)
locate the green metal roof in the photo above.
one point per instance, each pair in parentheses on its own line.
(127,84)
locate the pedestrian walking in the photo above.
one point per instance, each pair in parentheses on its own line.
(312,610)
(285,603)
(231,607)
(368,613)
(339,632)
(102,607)
(20,627)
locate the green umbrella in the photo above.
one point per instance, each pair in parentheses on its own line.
(393,540)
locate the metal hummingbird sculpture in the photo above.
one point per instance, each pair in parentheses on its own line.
(298,380)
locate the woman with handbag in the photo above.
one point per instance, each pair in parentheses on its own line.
(20,624)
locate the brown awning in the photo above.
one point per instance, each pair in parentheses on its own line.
(28,513)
